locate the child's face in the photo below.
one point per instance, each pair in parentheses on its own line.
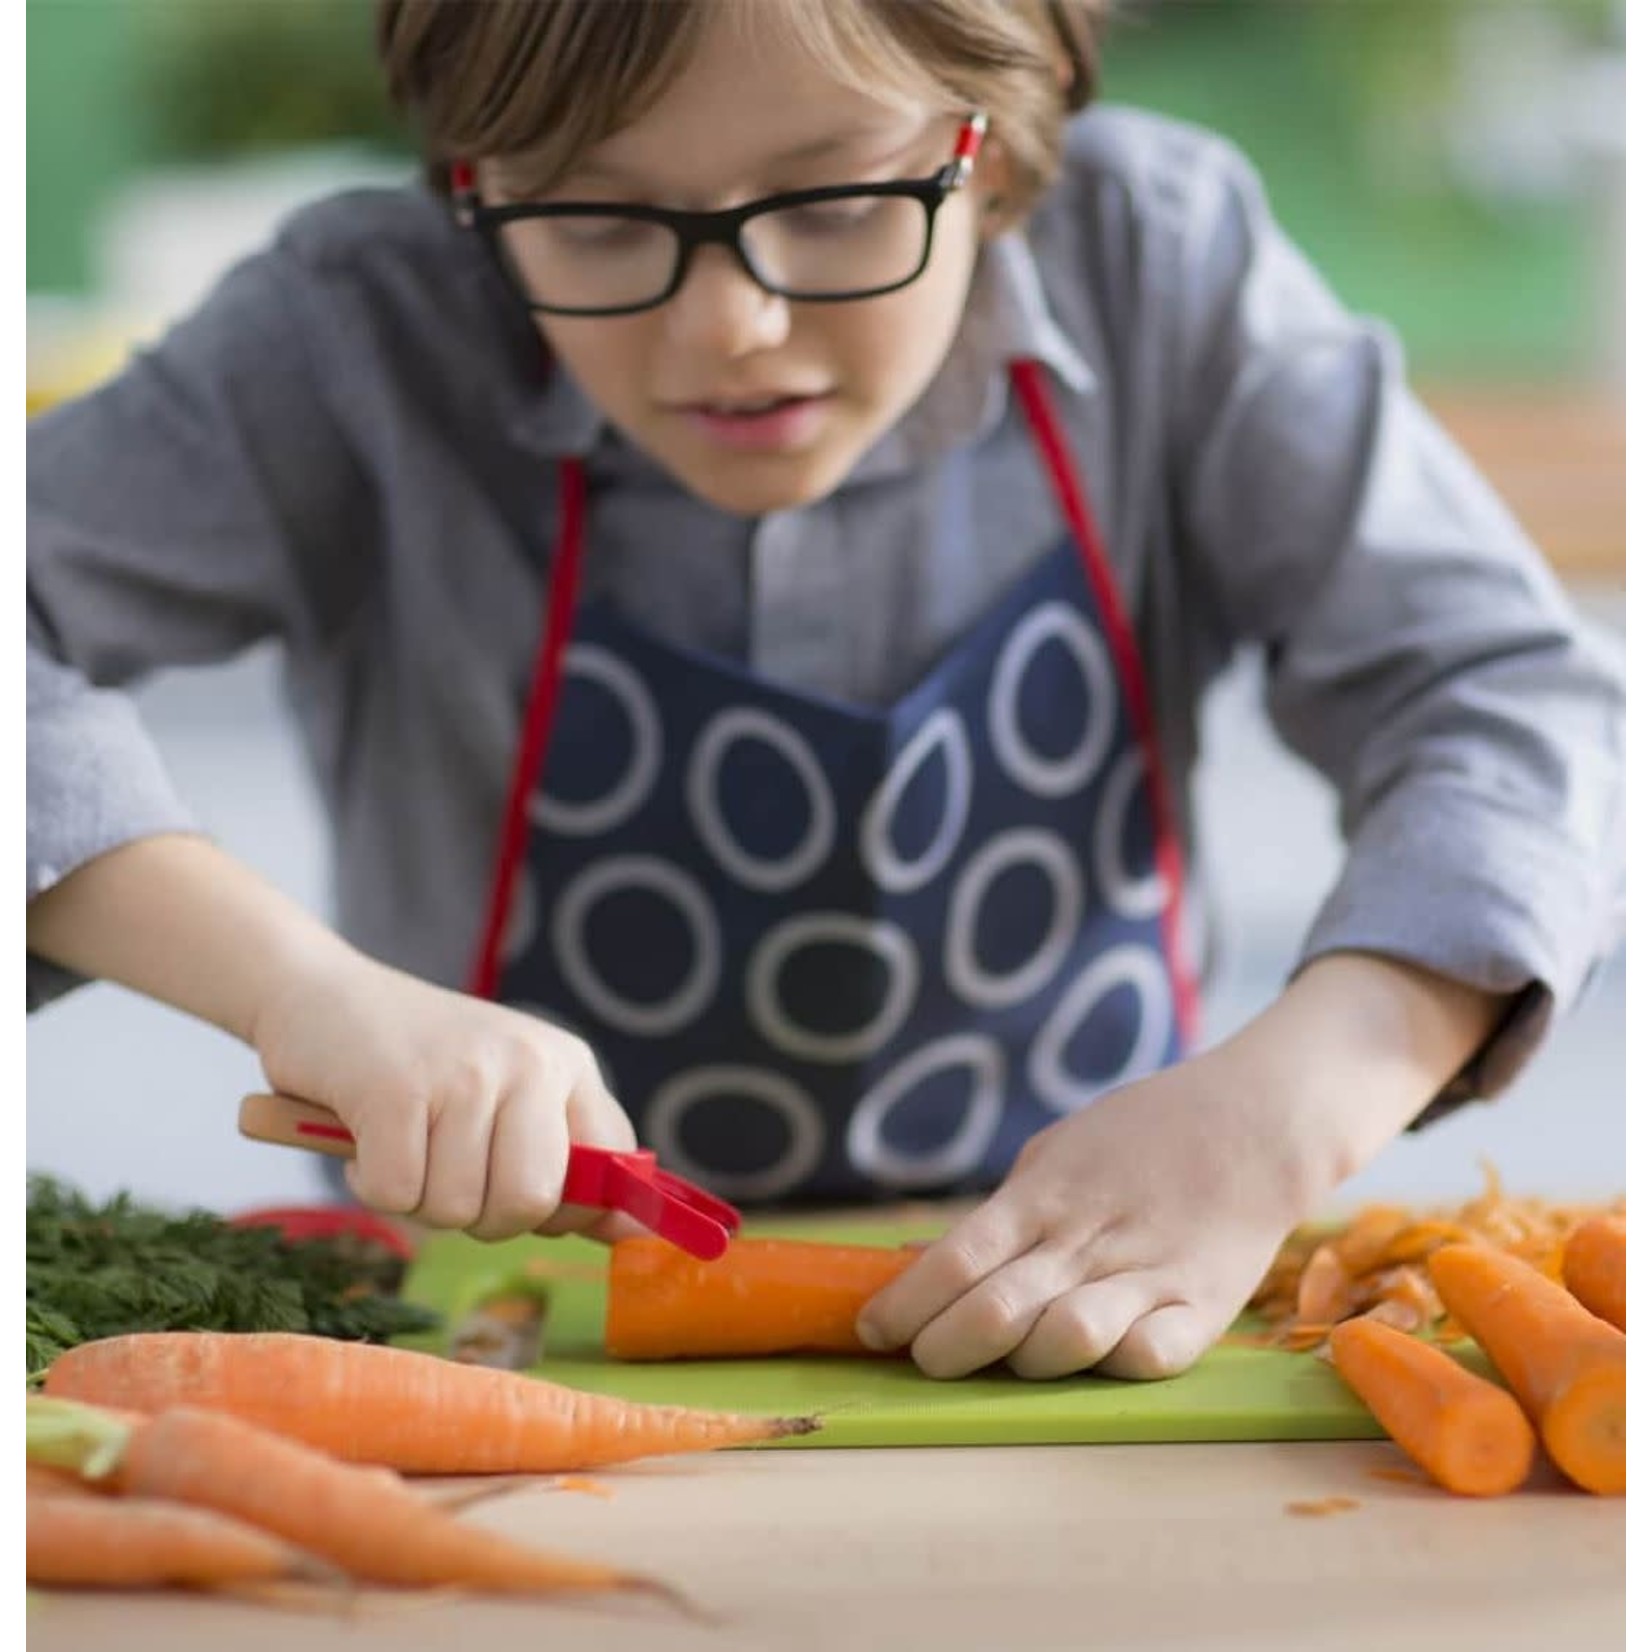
(750,117)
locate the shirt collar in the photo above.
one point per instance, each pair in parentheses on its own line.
(1006,318)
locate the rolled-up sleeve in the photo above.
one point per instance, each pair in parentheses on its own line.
(1420,653)
(198,503)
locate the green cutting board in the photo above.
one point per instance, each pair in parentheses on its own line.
(1233,1393)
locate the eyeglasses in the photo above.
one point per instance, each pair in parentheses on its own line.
(821,246)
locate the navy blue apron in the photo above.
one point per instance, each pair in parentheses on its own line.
(829,954)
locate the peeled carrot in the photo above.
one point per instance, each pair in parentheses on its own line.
(46,1481)
(761,1296)
(1595,1267)
(414,1412)
(137,1542)
(1565,1366)
(368,1523)
(1469,1434)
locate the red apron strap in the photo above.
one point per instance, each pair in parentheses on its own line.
(1045,423)
(536,726)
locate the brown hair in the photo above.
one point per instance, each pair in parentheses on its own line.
(543,80)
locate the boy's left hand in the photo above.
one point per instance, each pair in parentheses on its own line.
(1128,1236)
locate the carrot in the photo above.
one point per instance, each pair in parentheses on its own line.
(1594,1267)
(368,1523)
(1469,1434)
(414,1412)
(46,1481)
(139,1542)
(761,1296)
(1565,1366)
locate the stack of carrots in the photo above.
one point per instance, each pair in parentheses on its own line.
(239,1461)
(1540,1287)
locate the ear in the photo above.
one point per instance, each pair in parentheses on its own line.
(991,184)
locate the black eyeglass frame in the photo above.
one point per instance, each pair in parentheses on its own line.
(694,230)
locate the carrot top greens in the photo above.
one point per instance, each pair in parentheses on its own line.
(104,1270)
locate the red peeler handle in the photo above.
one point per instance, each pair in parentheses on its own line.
(600,1178)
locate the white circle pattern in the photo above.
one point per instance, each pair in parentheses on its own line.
(877,1160)
(1023,846)
(1043,776)
(1124,966)
(1142,896)
(769,876)
(801,1157)
(603,814)
(633,872)
(943,731)
(886,940)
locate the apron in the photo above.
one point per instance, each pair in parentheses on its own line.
(829,954)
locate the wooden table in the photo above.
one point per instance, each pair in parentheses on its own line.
(998,1549)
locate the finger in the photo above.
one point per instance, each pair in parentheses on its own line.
(994,1317)
(595,1119)
(456,1173)
(1083,1327)
(595,1116)
(527,1161)
(611,1226)
(392,1149)
(982,1242)
(1163,1342)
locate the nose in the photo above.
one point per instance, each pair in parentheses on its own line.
(720,311)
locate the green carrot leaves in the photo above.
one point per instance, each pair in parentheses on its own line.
(104,1270)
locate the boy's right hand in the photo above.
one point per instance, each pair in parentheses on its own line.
(462,1110)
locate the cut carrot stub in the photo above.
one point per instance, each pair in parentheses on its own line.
(1468,1434)
(761,1296)
(1565,1365)
(1594,1266)
(414,1412)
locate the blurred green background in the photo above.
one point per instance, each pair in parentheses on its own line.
(1435,157)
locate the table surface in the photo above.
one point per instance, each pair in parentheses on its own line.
(991,1548)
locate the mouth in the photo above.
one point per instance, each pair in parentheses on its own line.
(773,422)
(751,406)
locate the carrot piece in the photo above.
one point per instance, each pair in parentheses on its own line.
(1469,1434)
(1594,1266)
(366,1521)
(139,1542)
(414,1412)
(1318,1506)
(761,1296)
(1565,1365)
(585,1484)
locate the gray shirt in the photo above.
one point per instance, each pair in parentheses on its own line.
(351,447)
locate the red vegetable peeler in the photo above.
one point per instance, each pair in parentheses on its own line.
(602,1178)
